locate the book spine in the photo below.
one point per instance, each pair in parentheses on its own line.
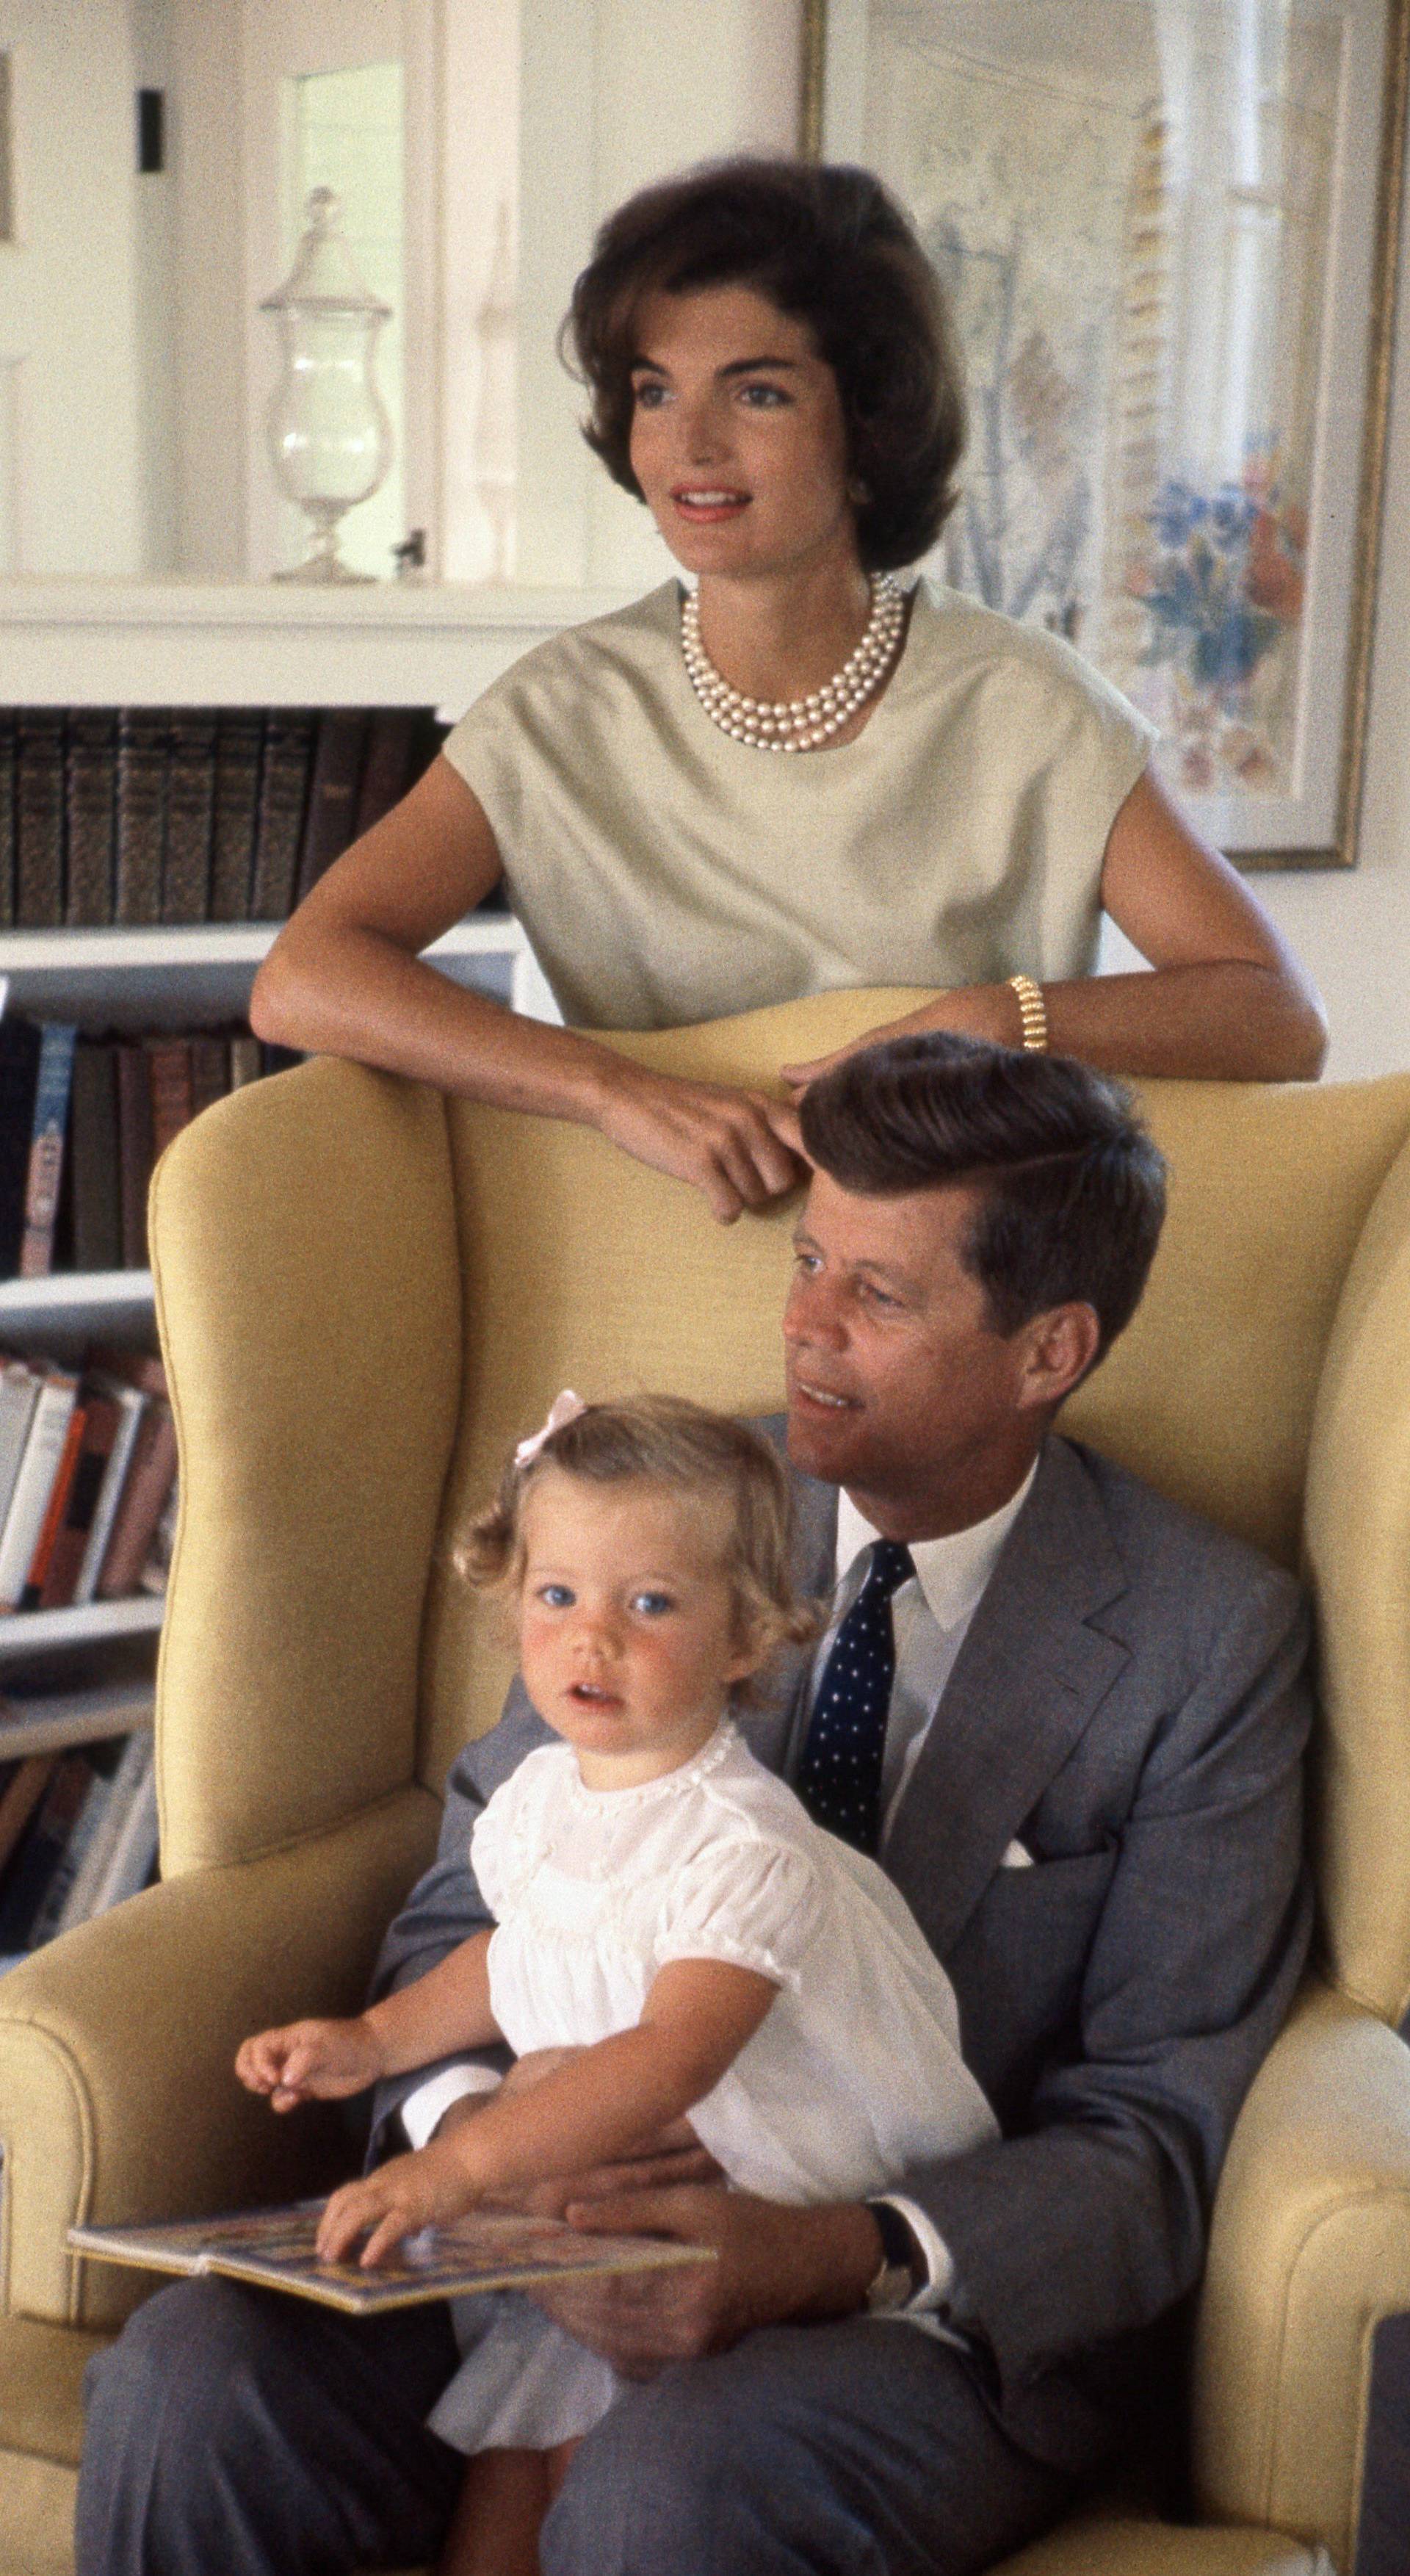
(19,1394)
(131,1405)
(210,1071)
(141,813)
(83,1832)
(135,1151)
(190,808)
(94,1863)
(134,1853)
(332,796)
(34,1485)
(54,1510)
(23,1792)
(38,1856)
(20,1045)
(95,1158)
(90,796)
(101,1417)
(8,736)
(169,1073)
(39,819)
(386,771)
(238,760)
(46,1153)
(150,1479)
(288,758)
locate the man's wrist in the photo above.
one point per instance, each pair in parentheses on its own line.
(902,2269)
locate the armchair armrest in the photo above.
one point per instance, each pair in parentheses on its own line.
(1310,2248)
(118,2099)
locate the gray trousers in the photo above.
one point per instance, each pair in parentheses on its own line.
(239,2431)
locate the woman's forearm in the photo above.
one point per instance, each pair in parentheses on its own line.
(354,992)
(1230,1020)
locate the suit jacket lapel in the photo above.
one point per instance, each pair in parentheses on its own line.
(1028,1678)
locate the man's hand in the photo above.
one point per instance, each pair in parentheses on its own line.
(307,2061)
(772,2263)
(674,2156)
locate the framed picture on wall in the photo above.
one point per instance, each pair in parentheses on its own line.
(1167,232)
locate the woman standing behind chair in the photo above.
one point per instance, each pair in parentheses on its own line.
(801,777)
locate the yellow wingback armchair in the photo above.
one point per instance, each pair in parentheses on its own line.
(365,1294)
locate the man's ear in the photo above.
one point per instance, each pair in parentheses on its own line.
(1057,1349)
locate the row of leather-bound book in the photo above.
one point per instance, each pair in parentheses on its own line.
(82,1121)
(145,815)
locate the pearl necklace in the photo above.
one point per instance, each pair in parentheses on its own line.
(798,724)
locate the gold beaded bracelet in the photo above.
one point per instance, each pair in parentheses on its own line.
(1033,1011)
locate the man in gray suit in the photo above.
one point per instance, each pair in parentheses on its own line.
(1084,1778)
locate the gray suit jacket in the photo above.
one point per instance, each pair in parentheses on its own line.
(1131,1701)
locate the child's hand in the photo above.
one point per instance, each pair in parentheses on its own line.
(427,2189)
(310,2061)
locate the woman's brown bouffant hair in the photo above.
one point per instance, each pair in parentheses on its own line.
(827,245)
(665,1441)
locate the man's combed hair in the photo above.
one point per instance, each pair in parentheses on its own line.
(1071,1189)
(665,1441)
(830,247)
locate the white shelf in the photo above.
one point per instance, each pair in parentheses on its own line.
(242,943)
(75,1296)
(118,643)
(25,1632)
(73,1722)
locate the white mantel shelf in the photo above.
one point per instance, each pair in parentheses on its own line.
(114,643)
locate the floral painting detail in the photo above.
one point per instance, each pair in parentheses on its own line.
(1221,583)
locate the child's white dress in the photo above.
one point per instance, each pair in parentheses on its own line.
(853,2076)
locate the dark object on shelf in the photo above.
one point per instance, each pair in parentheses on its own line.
(53,1083)
(41,1850)
(169,1072)
(19,1074)
(190,805)
(39,818)
(143,736)
(56,1507)
(239,748)
(288,759)
(386,773)
(134,1151)
(95,1158)
(102,1420)
(90,798)
(332,796)
(210,1070)
(144,1496)
(8,724)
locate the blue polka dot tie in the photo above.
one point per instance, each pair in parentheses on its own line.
(839,1775)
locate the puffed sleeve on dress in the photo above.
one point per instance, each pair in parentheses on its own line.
(750,1901)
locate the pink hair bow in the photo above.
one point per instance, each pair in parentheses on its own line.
(564,1408)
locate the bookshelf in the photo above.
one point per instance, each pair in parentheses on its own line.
(105,643)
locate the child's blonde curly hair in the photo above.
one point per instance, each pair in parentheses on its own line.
(666,1441)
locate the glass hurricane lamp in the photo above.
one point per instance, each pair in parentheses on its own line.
(329,437)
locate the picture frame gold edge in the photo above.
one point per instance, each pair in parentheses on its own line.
(1342,852)
(1370,517)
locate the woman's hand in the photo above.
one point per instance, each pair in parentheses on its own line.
(973,1010)
(740,1148)
(427,2189)
(310,2061)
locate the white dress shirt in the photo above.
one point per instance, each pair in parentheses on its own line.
(930,1618)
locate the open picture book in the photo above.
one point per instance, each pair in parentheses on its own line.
(275,2248)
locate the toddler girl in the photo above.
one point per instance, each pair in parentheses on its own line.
(664,1907)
